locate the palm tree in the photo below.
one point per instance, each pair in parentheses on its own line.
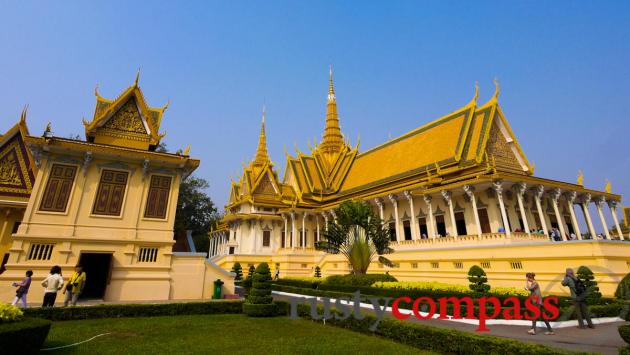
(358,234)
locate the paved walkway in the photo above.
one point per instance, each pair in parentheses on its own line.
(603,339)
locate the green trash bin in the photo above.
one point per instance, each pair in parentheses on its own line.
(217,289)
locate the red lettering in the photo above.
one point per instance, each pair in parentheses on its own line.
(533,311)
(515,308)
(496,305)
(416,304)
(457,307)
(550,304)
(395,310)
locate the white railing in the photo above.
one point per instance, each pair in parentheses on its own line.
(465,240)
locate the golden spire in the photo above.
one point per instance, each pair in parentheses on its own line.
(332,140)
(261,153)
(137,77)
(580,178)
(497,90)
(608,187)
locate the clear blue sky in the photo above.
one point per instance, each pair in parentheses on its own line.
(564,69)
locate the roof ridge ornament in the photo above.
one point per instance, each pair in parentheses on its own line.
(473,101)
(497,89)
(96,93)
(580,178)
(23,114)
(135,83)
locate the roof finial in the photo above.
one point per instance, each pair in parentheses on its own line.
(96,93)
(497,90)
(137,77)
(580,178)
(474,99)
(166,105)
(608,187)
(331,88)
(23,114)
(262,156)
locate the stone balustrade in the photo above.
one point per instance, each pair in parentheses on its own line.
(470,240)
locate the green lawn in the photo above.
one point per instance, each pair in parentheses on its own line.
(220,334)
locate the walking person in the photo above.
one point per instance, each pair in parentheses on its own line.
(52,284)
(535,295)
(578,298)
(74,287)
(22,289)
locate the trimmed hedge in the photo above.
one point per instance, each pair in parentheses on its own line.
(358,280)
(135,310)
(440,340)
(260,310)
(304,282)
(23,337)
(624,331)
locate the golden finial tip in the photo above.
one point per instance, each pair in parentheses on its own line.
(608,187)
(580,178)
(187,150)
(96,93)
(23,114)
(497,89)
(137,77)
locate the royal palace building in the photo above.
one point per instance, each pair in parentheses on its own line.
(455,192)
(107,202)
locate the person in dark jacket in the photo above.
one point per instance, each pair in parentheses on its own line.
(578,299)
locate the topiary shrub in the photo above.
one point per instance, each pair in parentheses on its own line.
(23,337)
(478,280)
(318,271)
(9,313)
(238,270)
(623,294)
(586,275)
(259,303)
(624,331)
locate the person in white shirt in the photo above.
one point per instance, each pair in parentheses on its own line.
(52,284)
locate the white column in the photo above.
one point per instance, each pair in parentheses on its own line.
(555,197)
(586,200)
(541,215)
(379,203)
(470,191)
(292,230)
(612,204)
(498,188)
(448,197)
(303,234)
(325,220)
(415,229)
(392,199)
(286,232)
(520,192)
(317,220)
(570,201)
(600,203)
(430,219)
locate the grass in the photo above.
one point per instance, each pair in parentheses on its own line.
(229,333)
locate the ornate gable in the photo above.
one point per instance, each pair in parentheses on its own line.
(126,121)
(16,169)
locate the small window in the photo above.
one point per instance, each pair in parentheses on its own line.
(485,265)
(282,239)
(414,265)
(516,265)
(110,193)
(304,266)
(435,265)
(16,225)
(58,188)
(266,238)
(392,231)
(407,229)
(157,199)
(458,265)
(39,251)
(147,255)
(231,250)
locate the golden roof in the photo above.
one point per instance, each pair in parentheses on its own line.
(17,167)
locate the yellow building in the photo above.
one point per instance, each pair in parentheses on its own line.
(107,203)
(455,192)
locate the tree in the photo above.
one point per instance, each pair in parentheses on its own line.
(478,279)
(318,271)
(358,234)
(586,275)
(238,270)
(259,302)
(195,211)
(623,294)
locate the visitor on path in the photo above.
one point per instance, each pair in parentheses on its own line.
(535,295)
(578,297)
(75,286)
(52,284)
(22,289)
(277,276)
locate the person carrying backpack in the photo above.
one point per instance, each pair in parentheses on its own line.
(578,297)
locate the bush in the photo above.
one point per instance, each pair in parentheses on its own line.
(238,270)
(439,340)
(251,271)
(9,313)
(23,337)
(625,350)
(586,275)
(624,331)
(259,302)
(478,280)
(358,280)
(318,272)
(623,289)
(135,310)
(305,282)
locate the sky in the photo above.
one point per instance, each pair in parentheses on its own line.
(562,66)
